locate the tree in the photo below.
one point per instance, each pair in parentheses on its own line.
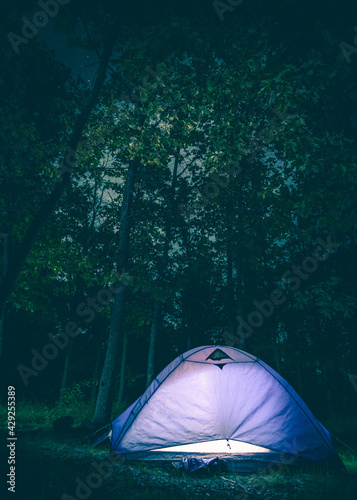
(20,255)
(103,405)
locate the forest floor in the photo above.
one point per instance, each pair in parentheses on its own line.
(51,467)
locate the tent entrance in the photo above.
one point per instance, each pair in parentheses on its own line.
(216,446)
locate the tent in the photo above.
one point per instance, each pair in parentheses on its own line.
(221,400)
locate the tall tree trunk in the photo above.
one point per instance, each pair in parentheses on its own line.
(188,340)
(4,238)
(103,406)
(299,374)
(239,260)
(65,370)
(230,292)
(95,376)
(153,330)
(235,249)
(164,263)
(186,304)
(276,347)
(122,368)
(20,256)
(2,326)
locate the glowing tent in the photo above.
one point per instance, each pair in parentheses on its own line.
(219,399)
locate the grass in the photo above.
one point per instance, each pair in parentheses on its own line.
(35,415)
(48,466)
(51,465)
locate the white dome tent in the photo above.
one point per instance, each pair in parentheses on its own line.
(223,401)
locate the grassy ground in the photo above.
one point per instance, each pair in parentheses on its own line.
(51,467)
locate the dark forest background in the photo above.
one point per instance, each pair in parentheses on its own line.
(199,158)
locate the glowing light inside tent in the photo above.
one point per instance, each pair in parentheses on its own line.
(217,446)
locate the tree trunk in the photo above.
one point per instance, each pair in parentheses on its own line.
(95,376)
(65,370)
(239,261)
(235,249)
(164,263)
(122,368)
(277,356)
(20,256)
(2,323)
(103,406)
(230,292)
(4,237)
(299,375)
(188,341)
(150,368)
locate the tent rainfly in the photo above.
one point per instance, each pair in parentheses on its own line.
(219,399)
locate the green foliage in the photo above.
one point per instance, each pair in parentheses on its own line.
(37,414)
(282,114)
